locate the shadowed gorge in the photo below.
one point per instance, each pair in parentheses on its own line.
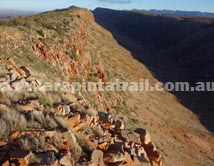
(174,48)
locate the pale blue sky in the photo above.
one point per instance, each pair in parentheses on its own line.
(41,5)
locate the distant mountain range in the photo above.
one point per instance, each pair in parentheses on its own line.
(10,13)
(179,12)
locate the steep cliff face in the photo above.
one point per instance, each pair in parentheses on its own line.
(69,46)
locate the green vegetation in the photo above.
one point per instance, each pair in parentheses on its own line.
(45,100)
(41,33)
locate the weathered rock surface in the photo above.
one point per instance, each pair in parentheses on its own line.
(97,158)
(144,135)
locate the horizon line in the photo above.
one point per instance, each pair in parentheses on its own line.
(44,10)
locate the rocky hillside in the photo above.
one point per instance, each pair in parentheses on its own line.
(86,128)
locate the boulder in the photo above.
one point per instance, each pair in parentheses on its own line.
(105,117)
(79,127)
(98,130)
(103,146)
(3,143)
(132,151)
(14,135)
(139,154)
(113,157)
(27,107)
(47,157)
(97,158)
(26,71)
(19,156)
(69,98)
(128,160)
(130,136)
(117,146)
(105,138)
(50,147)
(142,153)
(6,163)
(58,111)
(153,154)
(13,77)
(91,145)
(39,82)
(74,120)
(65,110)
(6,88)
(139,162)
(20,85)
(144,135)
(119,125)
(66,160)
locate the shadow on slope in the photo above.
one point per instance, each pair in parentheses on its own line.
(174,48)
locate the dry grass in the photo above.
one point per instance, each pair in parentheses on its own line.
(46,101)
(4,130)
(11,120)
(62,123)
(34,143)
(43,120)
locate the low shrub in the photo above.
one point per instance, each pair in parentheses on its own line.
(34,143)
(41,33)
